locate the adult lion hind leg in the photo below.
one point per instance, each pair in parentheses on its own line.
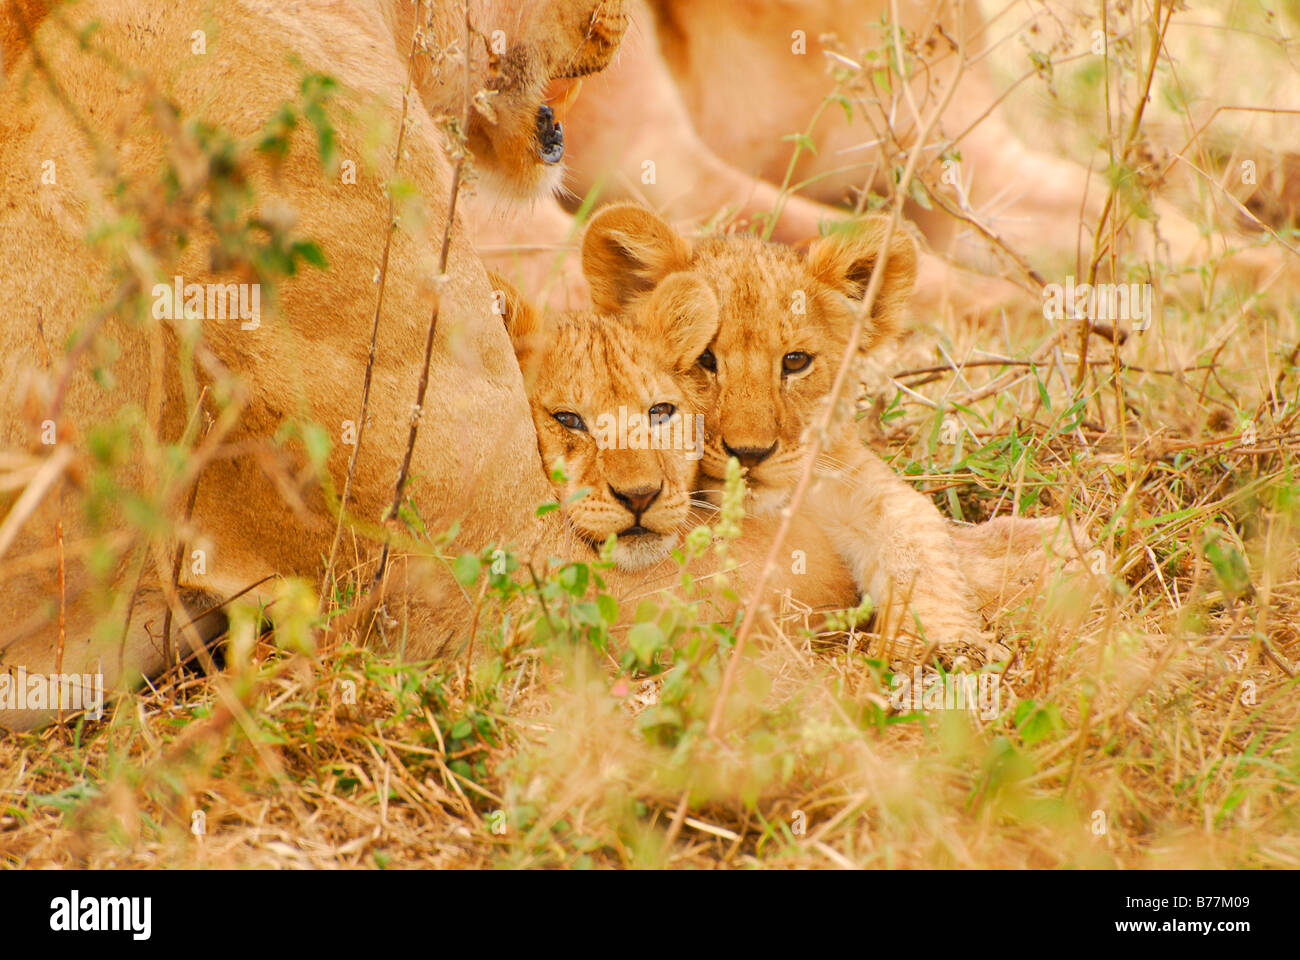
(99,656)
(725,56)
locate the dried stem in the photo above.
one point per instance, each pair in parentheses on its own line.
(1135,126)
(418,410)
(389,228)
(63,611)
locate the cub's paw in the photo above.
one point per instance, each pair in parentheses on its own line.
(945,627)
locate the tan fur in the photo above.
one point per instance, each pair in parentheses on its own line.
(474,461)
(1010,561)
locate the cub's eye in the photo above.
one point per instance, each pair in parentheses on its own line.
(661,413)
(795,362)
(570,420)
(708,361)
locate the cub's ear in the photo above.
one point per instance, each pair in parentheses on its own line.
(523,322)
(526,327)
(844,261)
(681,318)
(626,251)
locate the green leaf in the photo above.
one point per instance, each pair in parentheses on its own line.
(608,607)
(466,568)
(1231,803)
(546,508)
(1042,393)
(309,251)
(325,137)
(574,579)
(801,141)
(588,614)
(645,639)
(275,138)
(317,442)
(1228,564)
(1038,724)
(1023,709)
(843,101)
(918,193)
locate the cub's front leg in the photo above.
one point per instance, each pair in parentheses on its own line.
(897,547)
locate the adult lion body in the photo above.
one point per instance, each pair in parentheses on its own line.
(255,512)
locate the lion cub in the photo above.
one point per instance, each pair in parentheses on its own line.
(615,404)
(785,321)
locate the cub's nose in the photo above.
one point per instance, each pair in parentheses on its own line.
(749,456)
(638,500)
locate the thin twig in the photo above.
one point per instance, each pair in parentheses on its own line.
(389,229)
(1135,126)
(180,546)
(418,410)
(63,612)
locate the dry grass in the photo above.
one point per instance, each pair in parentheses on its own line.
(1149,708)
